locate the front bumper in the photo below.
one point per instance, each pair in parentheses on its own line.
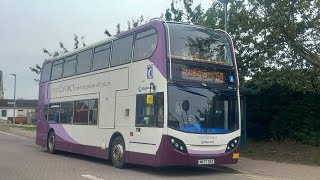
(168,156)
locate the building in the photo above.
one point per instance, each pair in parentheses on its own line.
(25,111)
(1,86)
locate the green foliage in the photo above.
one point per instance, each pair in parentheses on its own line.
(299,120)
(37,68)
(298,80)
(280,113)
(186,13)
(272,38)
(76,41)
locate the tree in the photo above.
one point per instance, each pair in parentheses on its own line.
(271,38)
(37,68)
(130,24)
(186,13)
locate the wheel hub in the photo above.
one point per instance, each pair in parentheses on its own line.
(51,142)
(118,152)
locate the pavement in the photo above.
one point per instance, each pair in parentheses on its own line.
(20,158)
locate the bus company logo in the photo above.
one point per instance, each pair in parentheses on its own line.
(72,87)
(143,88)
(206,139)
(150,71)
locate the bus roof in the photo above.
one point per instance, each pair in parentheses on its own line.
(109,39)
(152,22)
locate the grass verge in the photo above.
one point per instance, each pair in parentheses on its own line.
(27,127)
(282,151)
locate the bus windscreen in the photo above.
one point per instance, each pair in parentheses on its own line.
(199,44)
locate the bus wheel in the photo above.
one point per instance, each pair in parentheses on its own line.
(51,143)
(118,152)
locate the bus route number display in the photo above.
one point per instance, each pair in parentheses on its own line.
(202,74)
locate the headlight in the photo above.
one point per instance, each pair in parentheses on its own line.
(232,144)
(178,144)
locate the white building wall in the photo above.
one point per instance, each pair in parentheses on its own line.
(20,112)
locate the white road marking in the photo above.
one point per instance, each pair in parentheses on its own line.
(10,134)
(91,177)
(243,174)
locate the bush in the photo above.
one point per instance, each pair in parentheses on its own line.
(300,120)
(280,114)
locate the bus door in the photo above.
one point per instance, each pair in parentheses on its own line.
(148,123)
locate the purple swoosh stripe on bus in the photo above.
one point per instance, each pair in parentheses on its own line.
(159,56)
(206,152)
(47,93)
(58,128)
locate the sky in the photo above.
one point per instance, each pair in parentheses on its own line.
(26,27)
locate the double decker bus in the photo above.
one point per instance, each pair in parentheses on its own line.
(160,94)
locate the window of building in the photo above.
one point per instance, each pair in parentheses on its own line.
(54,113)
(56,72)
(46,71)
(66,113)
(145,44)
(69,66)
(101,57)
(84,61)
(81,112)
(122,51)
(93,113)
(149,115)
(3,113)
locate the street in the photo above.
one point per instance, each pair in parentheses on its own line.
(20,159)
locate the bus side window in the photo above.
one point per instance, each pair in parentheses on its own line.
(145,44)
(66,114)
(46,72)
(121,51)
(69,66)
(159,109)
(57,68)
(81,112)
(149,115)
(101,58)
(84,61)
(54,113)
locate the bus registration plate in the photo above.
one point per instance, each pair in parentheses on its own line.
(206,161)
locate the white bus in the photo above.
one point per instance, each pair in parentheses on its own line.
(160,94)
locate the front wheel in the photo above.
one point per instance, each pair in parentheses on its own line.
(51,143)
(118,152)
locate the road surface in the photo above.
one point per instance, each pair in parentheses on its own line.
(20,159)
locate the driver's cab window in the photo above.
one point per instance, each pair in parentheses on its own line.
(149,114)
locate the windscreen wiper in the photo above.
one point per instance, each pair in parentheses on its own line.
(188,90)
(217,91)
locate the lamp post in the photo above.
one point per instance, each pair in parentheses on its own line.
(14,99)
(225,2)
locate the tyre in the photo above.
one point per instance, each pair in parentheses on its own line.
(118,152)
(51,143)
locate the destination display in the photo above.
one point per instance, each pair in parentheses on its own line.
(205,74)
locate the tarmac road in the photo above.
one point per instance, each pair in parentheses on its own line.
(22,159)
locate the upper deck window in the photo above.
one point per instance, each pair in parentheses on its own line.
(46,71)
(101,57)
(56,72)
(69,67)
(84,61)
(122,50)
(145,44)
(199,44)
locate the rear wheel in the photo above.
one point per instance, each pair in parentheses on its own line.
(118,152)
(51,143)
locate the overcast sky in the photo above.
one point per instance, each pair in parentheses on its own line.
(28,26)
